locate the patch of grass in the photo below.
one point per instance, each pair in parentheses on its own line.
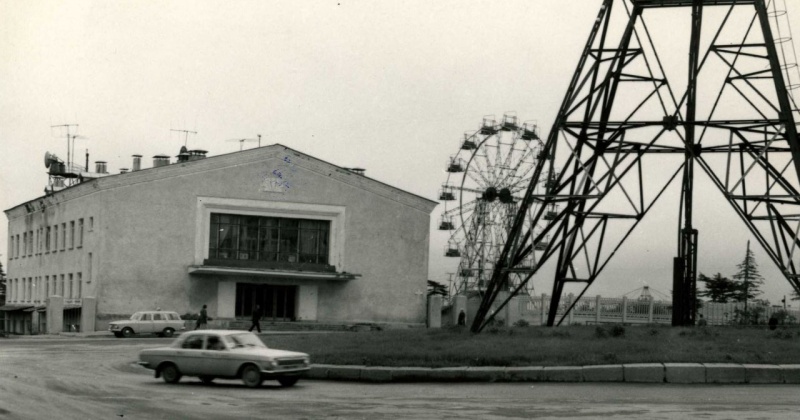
(541,346)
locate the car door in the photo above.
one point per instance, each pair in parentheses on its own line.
(190,355)
(145,324)
(217,357)
(159,322)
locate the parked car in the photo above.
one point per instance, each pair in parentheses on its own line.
(162,323)
(226,354)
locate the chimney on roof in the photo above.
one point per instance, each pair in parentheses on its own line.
(100,167)
(357,171)
(123,170)
(137,162)
(183,156)
(197,154)
(160,160)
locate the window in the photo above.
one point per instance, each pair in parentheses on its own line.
(47,240)
(63,236)
(80,285)
(46,287)
(69,287)
(239,237)
(193,342)
(80,233)
(158,317)
(24,243)
(91,224)
(55,238)
(61,286)
(214,343)
(11,247)
(72,234)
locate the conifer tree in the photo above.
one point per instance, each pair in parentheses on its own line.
(748,278)
(717,288)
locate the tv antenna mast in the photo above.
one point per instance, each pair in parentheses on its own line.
(185,134)
(241,142)
(70,145)
(633,121)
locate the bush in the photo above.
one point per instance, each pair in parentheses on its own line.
(600,332)
(618,331)
(522,323)
(188,316)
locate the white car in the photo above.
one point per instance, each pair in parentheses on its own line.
(226,354)
(162,323)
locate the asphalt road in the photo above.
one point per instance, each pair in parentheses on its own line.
(72,378)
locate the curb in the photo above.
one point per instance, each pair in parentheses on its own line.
(673,373)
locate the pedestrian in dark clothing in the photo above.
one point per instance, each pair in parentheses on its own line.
(202,320)
(257,314)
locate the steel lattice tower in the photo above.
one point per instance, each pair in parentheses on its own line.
(627,129)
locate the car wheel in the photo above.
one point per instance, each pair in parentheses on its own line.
(288,381)
(127,332)
(251,376)
(171,374)
(207,379)
(167,332)
(117,334)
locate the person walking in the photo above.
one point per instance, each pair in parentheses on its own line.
(202,320)
(257,314)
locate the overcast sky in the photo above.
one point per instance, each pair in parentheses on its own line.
(390,86)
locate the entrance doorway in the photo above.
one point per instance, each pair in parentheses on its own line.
(277,302)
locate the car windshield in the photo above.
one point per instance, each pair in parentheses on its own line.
(244,340)
(137,316)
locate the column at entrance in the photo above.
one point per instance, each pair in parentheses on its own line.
(226,299)
(307,298)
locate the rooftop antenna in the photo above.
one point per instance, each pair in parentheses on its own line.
(70,139)
(185,133)
(241,142)
(71,165)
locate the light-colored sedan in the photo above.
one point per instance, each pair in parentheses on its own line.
(162,323)
(226,354)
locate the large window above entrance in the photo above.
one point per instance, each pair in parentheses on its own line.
(272,240)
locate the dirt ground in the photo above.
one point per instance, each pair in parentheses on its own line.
(97,379)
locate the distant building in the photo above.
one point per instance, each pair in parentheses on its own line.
(306,240)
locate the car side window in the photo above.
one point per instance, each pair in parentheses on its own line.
(147,317)
(174,317)
(158,317)
(214,343)
(193,342)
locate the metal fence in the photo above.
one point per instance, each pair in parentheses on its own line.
(598,310)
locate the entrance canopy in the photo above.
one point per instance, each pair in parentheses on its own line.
(15,307)
(270,273)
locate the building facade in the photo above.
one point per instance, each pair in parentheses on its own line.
(305,240)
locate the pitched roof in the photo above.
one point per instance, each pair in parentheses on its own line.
(300,159)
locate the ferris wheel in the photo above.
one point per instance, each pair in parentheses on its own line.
(486,180)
